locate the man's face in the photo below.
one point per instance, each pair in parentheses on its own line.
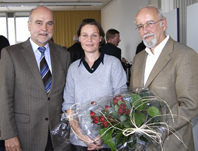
(115,41)
(151,34)
(41,25)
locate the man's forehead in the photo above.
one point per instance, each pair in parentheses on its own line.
(42,13)
(146,14)
(42,17)
(117,34)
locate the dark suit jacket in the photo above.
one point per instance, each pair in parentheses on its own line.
(76,52)
(112,50)
(26,110)
(174,79)
(3,43)
(140,47)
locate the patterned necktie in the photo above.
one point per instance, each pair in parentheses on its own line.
(44,70)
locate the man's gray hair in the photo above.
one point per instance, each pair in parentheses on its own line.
(158,10)
(75,38)
(30,15)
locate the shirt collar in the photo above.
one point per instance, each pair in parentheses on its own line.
(35,46)
(101,58)
(158,49)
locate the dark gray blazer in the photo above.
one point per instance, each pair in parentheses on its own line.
(26,110)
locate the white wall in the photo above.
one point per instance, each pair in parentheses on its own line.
(192,24)
(120,15)
(172,24)
(192,36)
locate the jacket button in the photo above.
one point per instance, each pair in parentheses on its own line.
(48,98)
(46,119)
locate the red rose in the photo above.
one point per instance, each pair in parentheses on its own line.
(120,111)
(93,103)
(105,124)
(126,111)
(115,101)
(101,118)
(95,120)
(122,105)
(119,97)
(92,113)
(107,107)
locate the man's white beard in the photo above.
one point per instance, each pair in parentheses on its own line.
(150,43)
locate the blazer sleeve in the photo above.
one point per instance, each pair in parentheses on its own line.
(7,124)
(186,90)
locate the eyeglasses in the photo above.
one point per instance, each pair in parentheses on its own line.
(148,24)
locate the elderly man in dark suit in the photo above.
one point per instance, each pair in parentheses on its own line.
(32,79)
(169,70)
(3,43)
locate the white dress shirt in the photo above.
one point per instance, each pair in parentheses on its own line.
(37,54)
(152,58)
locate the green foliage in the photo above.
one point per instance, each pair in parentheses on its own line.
(116,108)
(113,113)
(128,104)
(132,141)
(119,138)
(137,102)
(108,140)
(123,118)
(120,102)
(139,118)
(134,98)
(153,111)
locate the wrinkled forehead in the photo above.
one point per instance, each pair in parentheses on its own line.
(146,14)
(42,13)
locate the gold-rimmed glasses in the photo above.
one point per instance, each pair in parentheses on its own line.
(148,24)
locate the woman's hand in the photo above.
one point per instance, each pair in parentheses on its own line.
(92,143)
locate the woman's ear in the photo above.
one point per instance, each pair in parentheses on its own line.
(101,38)
(79,38)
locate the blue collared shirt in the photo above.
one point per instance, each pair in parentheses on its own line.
(37,54)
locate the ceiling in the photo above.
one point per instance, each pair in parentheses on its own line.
(27,5)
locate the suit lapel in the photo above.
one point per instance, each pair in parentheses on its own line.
(31,61)
(161,62)
(142,69)
(55,63)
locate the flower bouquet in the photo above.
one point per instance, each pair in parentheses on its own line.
(125,122)
(132,121)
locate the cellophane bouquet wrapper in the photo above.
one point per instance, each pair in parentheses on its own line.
(129,121)
(62,134)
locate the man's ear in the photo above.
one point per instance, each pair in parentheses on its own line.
(28,23)
(110,40)
(164,24)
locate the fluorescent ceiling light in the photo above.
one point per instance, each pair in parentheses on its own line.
(26,4)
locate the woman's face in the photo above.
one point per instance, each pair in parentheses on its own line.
(90,38)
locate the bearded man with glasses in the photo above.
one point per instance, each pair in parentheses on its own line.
(169,70)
